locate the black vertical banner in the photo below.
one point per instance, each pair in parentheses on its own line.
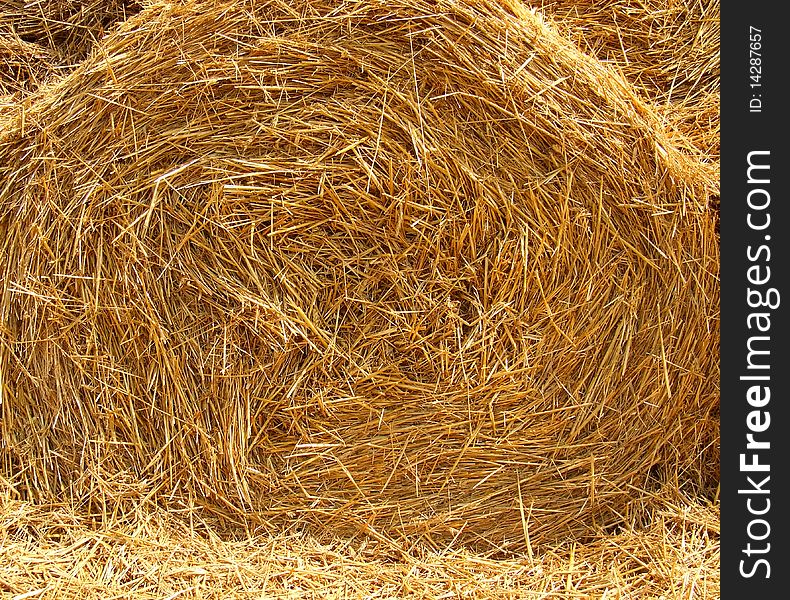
(754,259)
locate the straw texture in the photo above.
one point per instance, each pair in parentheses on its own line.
(67,28)
(420,270)
(669,52)
(24,66)
(54,554)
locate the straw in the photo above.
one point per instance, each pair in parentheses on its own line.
(67,28)
(422,271)
(53,553)
(669,51)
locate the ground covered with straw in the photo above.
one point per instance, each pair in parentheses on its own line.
(358,299)
(55,553)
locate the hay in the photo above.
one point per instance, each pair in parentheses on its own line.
(42,40)
(68,28)
(64,556)
(419,270)
(23,66)
(669,51)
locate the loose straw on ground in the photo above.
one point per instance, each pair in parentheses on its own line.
(54,554)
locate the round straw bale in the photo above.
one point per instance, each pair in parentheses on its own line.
(417,269)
